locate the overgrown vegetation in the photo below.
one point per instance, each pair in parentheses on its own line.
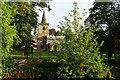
(106,16)
(78,55)
(79,52)
(18,19)
(9,32)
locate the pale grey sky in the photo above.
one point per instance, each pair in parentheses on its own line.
(61,8)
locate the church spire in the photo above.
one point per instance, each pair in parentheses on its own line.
(43,17)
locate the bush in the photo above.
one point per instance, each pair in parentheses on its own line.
(45,69)
(79,54)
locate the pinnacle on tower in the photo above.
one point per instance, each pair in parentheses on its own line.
(43,17)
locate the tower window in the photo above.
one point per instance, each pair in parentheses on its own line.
(43,28)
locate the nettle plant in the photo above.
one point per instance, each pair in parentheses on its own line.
(78,53)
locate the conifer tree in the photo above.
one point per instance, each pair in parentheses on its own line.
(79,52)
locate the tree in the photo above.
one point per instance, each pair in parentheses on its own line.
(116,30)
(58,33)
(105,16)
(79,52)
(18,19)
(8,34)
(25,21)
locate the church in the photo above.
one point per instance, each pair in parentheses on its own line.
(45,38)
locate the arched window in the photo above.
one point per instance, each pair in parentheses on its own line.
(43,28)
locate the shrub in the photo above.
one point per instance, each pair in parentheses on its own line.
(79,51)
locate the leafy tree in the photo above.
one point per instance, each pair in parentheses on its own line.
(0,43)
(79,52)
(104,13)
(8,35)
(18,19)
(58,33)
(25,21)
(116,30)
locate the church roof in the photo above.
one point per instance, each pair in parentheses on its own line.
(43,17)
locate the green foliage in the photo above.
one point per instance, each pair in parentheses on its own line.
(18,19)
(0,44)
(58,33)
(45,69)
(25,20)
(107,14)
(8,34)
(79,51)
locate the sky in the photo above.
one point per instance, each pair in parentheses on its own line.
(61,8)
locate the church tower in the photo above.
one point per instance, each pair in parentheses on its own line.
(43,32)
(43,27)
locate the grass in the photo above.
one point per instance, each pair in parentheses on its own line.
(36,55)
(47,68)
(17,53)
(46,54)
